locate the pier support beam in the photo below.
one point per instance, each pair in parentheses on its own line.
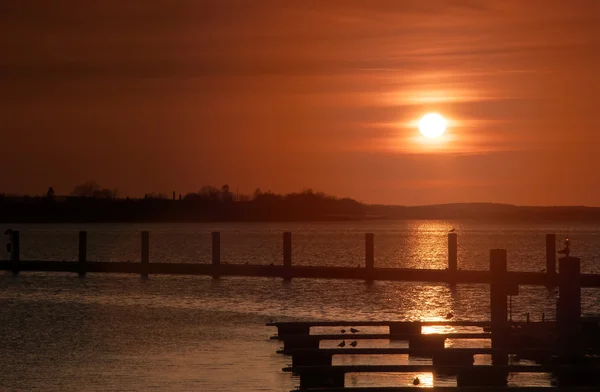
(316,379)
(15,251)
(449,358)
(82,259)
(551,255)
(216,253)
(452,252)
(488,376)
(370,255)
(568,307)
(405,328)
(292,329)
(287,255)
(499,309)
(291,343)
(145,270)
(426,345)
(316,358)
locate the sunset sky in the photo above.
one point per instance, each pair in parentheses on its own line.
(156,96)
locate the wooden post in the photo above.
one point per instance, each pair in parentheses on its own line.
(287,255)
(370,254)
(568,311)
(498,293)
(551,254)
(15,251)
(216,253)
(145,254)
(82,252)
(452,252)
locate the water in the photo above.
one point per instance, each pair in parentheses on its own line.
(59,332)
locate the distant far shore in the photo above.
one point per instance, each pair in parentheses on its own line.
(300,207)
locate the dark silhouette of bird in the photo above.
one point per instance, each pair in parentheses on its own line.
(452,230)
(343,331)
(354,330)
(342,344)
(449,316)
(416,381)
(354,343)
(567,249)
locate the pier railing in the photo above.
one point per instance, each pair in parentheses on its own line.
(286,270)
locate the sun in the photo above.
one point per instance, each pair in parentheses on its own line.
(432,125)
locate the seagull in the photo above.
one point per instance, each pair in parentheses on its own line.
(354,330)
(354,343)
(343,331)
(416,381)
(566,250)
(449,316)
(342,344)
(452,230)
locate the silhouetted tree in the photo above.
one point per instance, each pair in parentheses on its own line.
(209,192)
(87,189)
(226,195)
(156,196)
(92,189)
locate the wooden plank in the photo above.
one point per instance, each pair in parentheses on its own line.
(384,336)
(369,323)
(416,368)
(403,350)
(450,389)
(313,272)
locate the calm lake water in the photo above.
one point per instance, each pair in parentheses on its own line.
(176,333)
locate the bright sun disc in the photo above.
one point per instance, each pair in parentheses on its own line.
(432,125)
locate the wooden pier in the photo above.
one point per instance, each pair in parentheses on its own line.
(568,349)
(287,270)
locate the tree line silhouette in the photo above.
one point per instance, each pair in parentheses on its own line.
(89,202)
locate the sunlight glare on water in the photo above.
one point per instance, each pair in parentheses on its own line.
(186,333)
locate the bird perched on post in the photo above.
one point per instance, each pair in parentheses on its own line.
(342,344)
(354,330)
(566,250)
(416,381)
(343,331)
(452,230)
(354,343)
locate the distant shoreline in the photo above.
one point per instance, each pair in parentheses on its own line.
(303,208)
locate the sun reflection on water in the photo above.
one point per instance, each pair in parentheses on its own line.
(425,380)
(428,244)
(430,303)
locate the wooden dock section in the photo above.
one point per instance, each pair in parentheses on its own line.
(217,268)
(568,349)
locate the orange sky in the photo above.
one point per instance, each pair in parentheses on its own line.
(283,95)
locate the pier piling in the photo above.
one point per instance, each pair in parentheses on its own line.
(15,251)
(370,255)
(145,270)
(216,253)
(452,252)
(82,259)
(287,255)
(568,307)
(499,309)
(551,254)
